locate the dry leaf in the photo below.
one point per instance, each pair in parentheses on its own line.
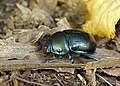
(75,11)
(69,70)
(90,76)
(82,79)
(37,15)
(112,71)
(9,24)
(117,83)
(27,36)
(26,73)
(51,3)
(9,49)
(102,17)
(25,12)
(103,63)
(47,5)
(62,24)
(41,15)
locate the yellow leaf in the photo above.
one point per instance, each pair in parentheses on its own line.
(102,17)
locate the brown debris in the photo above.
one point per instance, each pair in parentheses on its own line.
(24,25)
(103,63)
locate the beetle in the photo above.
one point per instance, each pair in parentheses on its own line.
(71,41)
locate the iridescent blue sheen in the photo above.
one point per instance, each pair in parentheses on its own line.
(75,41)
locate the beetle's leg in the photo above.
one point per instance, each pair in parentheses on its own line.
(46,54)
(92,57)
(70,57)
(58,57)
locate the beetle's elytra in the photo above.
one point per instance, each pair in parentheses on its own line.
(71,41)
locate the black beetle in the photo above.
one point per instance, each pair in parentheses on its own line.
(71,41)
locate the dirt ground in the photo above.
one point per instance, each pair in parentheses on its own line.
(25,28)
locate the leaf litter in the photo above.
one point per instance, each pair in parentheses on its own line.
(23,32)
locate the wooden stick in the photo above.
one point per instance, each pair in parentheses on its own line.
(36,64)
